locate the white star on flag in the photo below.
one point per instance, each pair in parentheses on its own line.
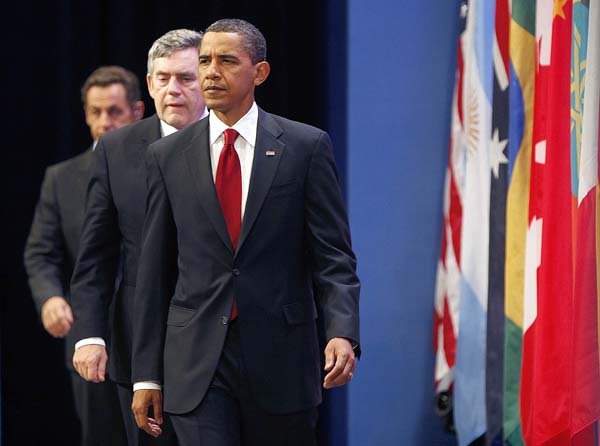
(497,155)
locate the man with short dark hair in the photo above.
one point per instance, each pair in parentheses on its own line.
(111,99)
(246,240)
(111,234)
(98,95)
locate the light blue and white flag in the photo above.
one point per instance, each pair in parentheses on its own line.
(469,402)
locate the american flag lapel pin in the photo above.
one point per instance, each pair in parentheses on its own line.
(270,153)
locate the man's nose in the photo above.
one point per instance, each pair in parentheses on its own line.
(212,71)
(106,121)
(173,87)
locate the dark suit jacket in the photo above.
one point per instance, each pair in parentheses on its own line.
(110,242)
(53,240)
(294,235)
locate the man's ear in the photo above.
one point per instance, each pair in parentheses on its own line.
(138,110)
(150,85)
(262,72)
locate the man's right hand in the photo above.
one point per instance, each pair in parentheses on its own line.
(142,400)
(90,362)
(57,316)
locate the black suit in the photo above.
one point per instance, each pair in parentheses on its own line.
(109,248)
(294,235)
(50,253)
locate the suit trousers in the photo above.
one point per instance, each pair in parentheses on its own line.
(136,436)
(97,406)
(228,415)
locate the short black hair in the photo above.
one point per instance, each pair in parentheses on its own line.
(253,41)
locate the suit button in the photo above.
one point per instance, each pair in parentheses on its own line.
(236,272)
(224,320)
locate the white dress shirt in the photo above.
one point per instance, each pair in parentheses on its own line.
(244,146)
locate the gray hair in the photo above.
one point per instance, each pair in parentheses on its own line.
(252,39)
(175,40)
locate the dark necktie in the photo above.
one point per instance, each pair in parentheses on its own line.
(228,183)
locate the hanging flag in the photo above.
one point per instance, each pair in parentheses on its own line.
(578,69)
(547,347)
(469,395)
(521,97)
(585,103)
(447,295)
(498,190)
(543,29)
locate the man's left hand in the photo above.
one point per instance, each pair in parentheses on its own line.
(339,362)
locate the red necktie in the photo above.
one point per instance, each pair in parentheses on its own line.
(228,183)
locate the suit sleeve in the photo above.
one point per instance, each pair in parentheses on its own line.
(155,278)
(45,248)
(333,261)
(92,284)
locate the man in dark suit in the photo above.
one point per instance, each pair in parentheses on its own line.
(111,99)
(110,240)
(246,241)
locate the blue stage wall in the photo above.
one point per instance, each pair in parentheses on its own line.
(401,57)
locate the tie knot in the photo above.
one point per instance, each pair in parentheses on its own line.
(230,136)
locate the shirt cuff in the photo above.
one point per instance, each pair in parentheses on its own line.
(90,341)
(147,385)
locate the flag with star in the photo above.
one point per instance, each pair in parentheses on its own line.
(522,51)
(498,190)
(546,391)
(469,387)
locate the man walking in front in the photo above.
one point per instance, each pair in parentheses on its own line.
(245,219)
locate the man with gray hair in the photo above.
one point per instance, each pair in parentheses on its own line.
(104,277)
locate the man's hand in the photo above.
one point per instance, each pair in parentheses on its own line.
(90,362)
(339,362)
(142,400)
(57,316)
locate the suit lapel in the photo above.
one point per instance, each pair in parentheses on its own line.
(153,133)
(267,154)
(198,160)
(148,134)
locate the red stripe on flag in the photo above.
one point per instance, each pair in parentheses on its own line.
(502,31)
(455,216)
(449,335)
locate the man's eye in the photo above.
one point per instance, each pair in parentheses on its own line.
(115,112)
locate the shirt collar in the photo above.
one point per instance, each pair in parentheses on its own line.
(246,126)
(166,129)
